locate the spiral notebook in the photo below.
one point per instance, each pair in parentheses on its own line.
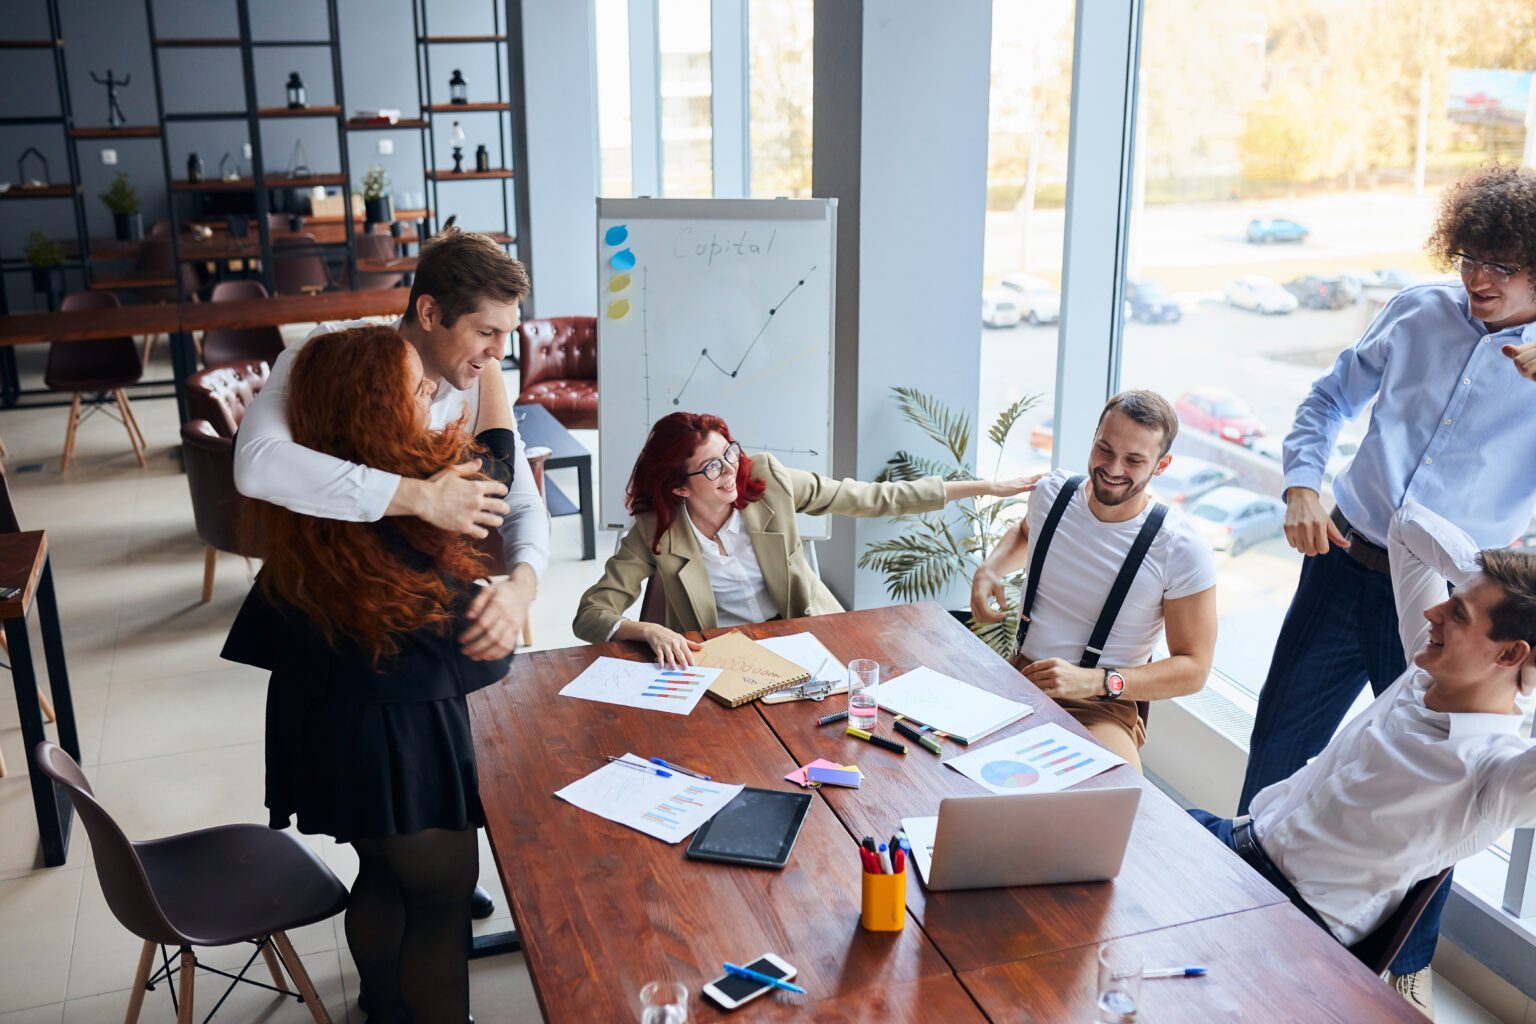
(748,669)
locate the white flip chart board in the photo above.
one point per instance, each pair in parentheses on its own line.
(719,306)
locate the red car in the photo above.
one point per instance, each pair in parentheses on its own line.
(1221,413)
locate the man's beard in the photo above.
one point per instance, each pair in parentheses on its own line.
(1106,497)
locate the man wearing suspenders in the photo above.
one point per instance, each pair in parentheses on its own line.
(1109,571)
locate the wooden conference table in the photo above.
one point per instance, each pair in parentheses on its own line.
(603,909)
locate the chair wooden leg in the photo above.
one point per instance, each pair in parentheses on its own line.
(47,706)
(133,438)
(527,633)
(3,452)
(274,966)
(140,978)
(69,432)
(3,769)
(188,970)
(134,418)
(301,978)
(149,346)
(210,562)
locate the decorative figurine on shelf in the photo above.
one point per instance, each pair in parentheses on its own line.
(458,89)
(115,118)
(298,162)
(297,98)
(229,168)
(123,201)
(482,159)
(21,169)
(194,168)
(456,137)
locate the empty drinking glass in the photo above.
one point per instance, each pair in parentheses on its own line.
(1119,984)
(863,676)
(664,1002)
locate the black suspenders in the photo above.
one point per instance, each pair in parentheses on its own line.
(1117,593)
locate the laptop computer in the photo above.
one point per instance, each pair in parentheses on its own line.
(986,842)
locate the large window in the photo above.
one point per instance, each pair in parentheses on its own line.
(685,83)
(613,122)
(779,82)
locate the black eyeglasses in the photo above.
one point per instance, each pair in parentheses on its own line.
(714,467)
(1498,273)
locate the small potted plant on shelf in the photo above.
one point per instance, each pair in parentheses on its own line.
(377,205)
(45,255)
(123,201)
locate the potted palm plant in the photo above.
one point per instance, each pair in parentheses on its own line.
(45,255)
(123,201)
(378,208)
(939,547)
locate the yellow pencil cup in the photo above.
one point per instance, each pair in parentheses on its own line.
(885,902)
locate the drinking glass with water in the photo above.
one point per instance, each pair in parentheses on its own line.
(863,677)
(1119,984)
(664,1002)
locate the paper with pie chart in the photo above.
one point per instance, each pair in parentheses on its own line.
(1040,760)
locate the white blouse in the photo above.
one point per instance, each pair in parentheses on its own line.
(741,594)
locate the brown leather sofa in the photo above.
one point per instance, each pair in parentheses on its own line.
(221,395)
(558,360)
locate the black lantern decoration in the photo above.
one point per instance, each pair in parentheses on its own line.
(482,159)
(297,98)
(458,89)
(457,138)
(21,169)
(194,167)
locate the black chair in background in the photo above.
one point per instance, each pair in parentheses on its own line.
(1378,949)
(225,346)
(100,368)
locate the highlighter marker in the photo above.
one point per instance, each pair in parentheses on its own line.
(879,741)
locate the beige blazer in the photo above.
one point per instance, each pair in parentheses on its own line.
(770,525)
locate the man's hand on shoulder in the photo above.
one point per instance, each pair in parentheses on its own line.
(1307,526)
(497,615)
(1062,679)
(453,499)
(1524,357)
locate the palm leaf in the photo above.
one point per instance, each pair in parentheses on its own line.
(935,420)
(1008,417)
(1000,635)
(906,466)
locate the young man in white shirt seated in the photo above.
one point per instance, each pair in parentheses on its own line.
(1435,768)
(463,306)
(1172,594)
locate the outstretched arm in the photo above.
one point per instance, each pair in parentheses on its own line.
(1425,551)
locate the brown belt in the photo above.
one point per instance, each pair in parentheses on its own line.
(1372,556)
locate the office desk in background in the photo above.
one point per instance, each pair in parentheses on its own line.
(603,909)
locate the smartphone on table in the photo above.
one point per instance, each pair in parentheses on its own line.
(728,991)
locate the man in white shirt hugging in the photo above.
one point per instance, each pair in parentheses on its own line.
(1092,657)
(462,306)
(1435,768)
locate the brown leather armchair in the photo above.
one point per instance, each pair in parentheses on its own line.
(209,460)
(558,361)
(221,395)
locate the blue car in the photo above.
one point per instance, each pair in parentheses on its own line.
(1263,232)
(1149,302)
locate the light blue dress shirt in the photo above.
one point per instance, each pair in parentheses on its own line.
(1454,427)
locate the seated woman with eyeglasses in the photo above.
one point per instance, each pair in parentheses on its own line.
(719,528)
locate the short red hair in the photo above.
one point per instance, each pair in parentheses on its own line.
(663,465)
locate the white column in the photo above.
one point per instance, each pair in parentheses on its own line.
(729,67)
(645,97)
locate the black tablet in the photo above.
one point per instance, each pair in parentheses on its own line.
(758,829)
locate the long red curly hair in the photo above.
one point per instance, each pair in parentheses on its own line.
(350,394)
(663,464)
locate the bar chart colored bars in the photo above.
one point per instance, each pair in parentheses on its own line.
(677,685)
(682,807)
(639,685)
(1040,760)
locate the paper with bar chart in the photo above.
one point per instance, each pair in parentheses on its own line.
(629,792)
(636,684)
(1040,760)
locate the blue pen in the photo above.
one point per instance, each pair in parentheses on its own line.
(679,768)
(1173,972)
(743,972)
(639,767)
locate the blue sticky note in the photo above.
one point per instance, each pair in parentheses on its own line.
(616,235)
(833,776)
(623,260)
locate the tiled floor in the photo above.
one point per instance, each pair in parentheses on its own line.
(170,734)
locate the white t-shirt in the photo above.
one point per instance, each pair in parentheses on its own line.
(1080,567)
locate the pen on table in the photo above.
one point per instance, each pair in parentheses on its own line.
(639,767)
(680,768)
(898,861)
(885,861)
(766,979)
(879,741)
(926,742)
(1173,972)
(836,716)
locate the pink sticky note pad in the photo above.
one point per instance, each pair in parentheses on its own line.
(834,776)
(798,775)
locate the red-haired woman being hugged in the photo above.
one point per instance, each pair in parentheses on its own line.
(367,735)
(719,528)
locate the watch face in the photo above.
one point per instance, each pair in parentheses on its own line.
(1114,683)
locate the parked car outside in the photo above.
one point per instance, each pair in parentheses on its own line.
(1320,291)
(1044,434)
(1219,412)
(1528,538)
(1343,453)
(1397,277)
(1234,519)
(999,310)
(1187,478)
(1260,294)
(1151,303)
(1357,280)
(1264,232)
(1037,298)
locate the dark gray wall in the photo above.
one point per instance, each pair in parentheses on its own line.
(378,68)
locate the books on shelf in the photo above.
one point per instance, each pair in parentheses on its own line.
(382,116)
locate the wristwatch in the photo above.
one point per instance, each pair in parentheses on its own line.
(1114,685)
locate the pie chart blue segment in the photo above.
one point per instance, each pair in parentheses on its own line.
(1009,774)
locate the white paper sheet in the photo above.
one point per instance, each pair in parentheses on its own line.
(808,652)
(637,684)
(1046,759)
(948,705)
(670,809)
